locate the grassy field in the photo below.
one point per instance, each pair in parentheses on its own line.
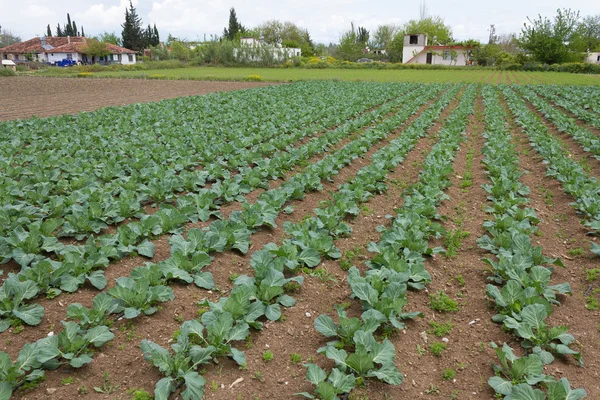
(294,74)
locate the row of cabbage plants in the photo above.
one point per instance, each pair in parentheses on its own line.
(521,288)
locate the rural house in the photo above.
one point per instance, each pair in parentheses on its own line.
(593,57)
(53,49)
(416,51)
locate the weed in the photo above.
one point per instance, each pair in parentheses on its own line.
(107,386)
(460,280)
(437,348)
(291,287)
(421,350)
(214,385)
(592,274)
(453,241)
(140,394)
(258,376)
(576,252)
(295,358)
(440,329)
(67,381)
(442,303)
(82,389)
(267,356)
(233,277)
(432,389)
(321,273)
(591,303)
(448,374)
(179,319)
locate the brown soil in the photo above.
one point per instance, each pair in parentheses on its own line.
(26,96)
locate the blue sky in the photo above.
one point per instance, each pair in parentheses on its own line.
(325,19)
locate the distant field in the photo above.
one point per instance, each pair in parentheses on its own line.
(293,74)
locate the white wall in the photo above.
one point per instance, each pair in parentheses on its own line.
(438,59)
(593,58)
(55,57)
(409,52)
(125,59)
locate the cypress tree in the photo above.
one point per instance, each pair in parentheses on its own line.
(69,27)
(74,29)
(155,37)
(234,26)
(82,32)
(133,36)
(48,31)
(59,31)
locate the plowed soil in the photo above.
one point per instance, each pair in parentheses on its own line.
(25,96)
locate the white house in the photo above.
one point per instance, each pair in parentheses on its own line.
(251,49)
(593,57)
(53,49)
(416,51)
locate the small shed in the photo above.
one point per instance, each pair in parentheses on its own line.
(9,64)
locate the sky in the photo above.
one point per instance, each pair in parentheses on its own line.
(324,19)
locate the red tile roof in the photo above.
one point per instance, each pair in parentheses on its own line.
(59,45)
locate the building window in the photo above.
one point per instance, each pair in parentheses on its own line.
(414,39)
(447,55)
(130,57)
(69,56)
(16,56)
(598,59)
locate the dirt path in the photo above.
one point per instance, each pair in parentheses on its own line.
(26,96)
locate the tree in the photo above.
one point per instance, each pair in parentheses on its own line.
(383,36)
(235,27)
(68,29)
(82,31)
(133,36)
(434,27)
(94,47)
(551,41)
(7,38)
(362,35)
(395,47)
(155,37)
(48,31)
(587,37)
(111,37)
(350,48)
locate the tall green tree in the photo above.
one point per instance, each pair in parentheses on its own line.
(587,37)
(59,31)
(132,34)
(551,41)
(48,31)
(351,47)
(362,35)
(68,29)
(155,37)
(434,27)
(234,28)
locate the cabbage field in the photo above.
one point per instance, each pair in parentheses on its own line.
(321,240)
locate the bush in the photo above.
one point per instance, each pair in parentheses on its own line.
(7,72)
